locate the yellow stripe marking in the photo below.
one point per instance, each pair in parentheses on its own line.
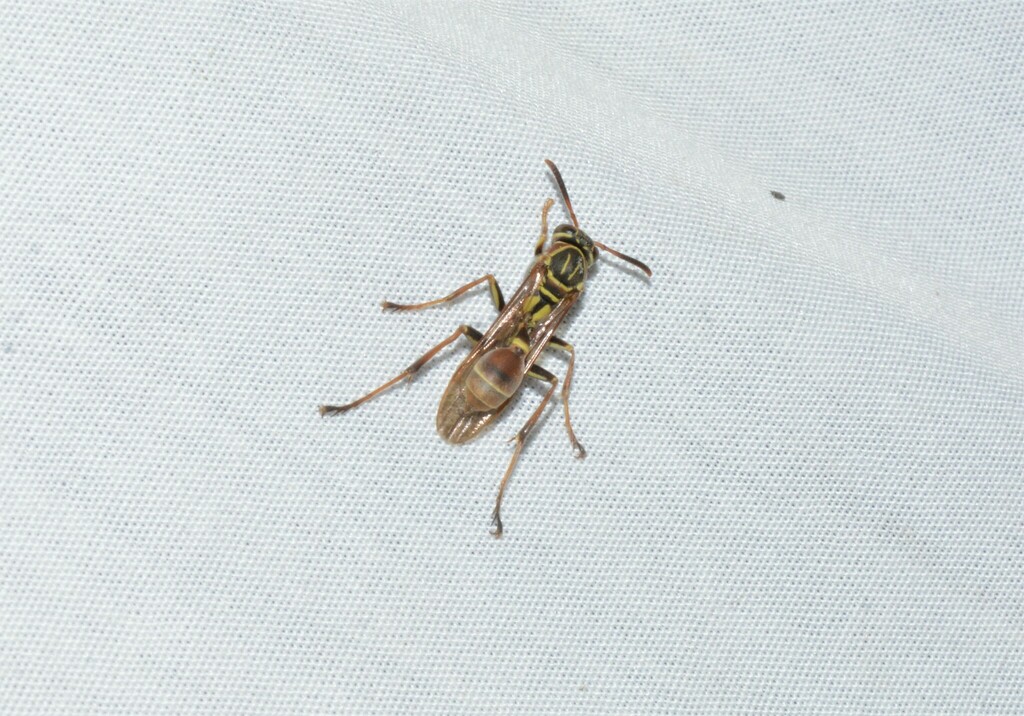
(554,279)
(542,313)
(548,294)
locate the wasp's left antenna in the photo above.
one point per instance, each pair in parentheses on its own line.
(561,188)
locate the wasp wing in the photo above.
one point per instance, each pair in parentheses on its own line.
(456,423)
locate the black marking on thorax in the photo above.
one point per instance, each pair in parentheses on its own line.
(565,272)
(566,267)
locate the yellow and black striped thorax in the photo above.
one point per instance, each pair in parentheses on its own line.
(565,272)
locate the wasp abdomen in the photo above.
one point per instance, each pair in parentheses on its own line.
(495,377)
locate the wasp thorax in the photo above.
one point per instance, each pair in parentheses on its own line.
(568,234)
(495,377)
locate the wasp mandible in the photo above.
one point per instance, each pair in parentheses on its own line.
(485,382)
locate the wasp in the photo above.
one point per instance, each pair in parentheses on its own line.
(485,382)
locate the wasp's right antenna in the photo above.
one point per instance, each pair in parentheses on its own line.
(636,262)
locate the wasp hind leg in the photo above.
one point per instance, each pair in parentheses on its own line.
(469,332)
(556,342)
(520,440)
(496,297)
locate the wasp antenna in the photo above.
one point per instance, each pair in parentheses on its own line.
(636,262)
(561,188)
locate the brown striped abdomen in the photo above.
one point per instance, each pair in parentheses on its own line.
(495,377)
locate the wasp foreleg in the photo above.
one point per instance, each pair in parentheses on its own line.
(520,440)
(496,297)
(471,334)
(538,248)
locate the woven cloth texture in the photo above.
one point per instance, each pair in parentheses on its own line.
(805,485)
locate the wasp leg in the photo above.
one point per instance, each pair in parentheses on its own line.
(520,440)
(556,342)
(496,297)
(538,249)
(541,374)
(471,333)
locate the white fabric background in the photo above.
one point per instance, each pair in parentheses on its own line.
(804,489)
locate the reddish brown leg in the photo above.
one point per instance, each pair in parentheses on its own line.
(471,333)
(558,343)
(538,248)
(496,297)
(520,440)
